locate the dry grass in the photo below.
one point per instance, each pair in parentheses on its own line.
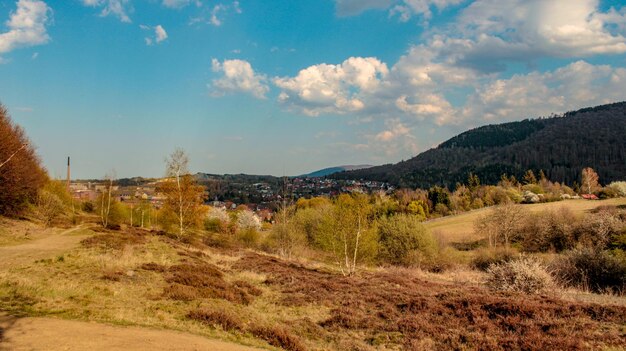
(115,240)
(13,232)
(264,301)
(226,320)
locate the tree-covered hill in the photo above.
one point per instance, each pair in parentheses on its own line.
(560,146)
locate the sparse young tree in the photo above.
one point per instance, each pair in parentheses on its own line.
(183,196)
(287,235)
(473,182)
(54,199)
(501,224)
(529,177)
(348,232)
(106,199)
(590,180)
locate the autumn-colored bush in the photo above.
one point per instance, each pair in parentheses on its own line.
(278,336)
(227,321)
(21,173)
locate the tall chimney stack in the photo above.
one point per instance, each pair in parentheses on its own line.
(68,173)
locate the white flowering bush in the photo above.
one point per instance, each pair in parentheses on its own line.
(248,220)
(525,275)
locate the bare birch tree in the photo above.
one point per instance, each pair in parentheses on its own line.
(183,195)
(105,199)
(348,232)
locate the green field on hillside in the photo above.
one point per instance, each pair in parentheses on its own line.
(460,228)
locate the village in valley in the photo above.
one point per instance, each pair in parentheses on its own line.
(263,198)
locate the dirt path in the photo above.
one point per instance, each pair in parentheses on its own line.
(42,248)
(57,334)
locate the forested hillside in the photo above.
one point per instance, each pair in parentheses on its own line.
(560,146)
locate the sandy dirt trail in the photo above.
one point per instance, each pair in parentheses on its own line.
(41,248)
(57,334)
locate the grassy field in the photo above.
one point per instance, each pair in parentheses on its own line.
(139,278)
(460,228)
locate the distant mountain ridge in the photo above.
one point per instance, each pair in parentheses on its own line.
(332,170)
(560,146)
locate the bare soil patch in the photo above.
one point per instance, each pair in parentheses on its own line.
(57,334)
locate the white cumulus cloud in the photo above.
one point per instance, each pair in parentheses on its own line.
(237,76)
(177,4)
(27,26)
(116,8)
(403,9)
(159,34)
(490,32)
(327,88)
(577,85)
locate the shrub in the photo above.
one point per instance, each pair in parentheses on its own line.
(607,193)
(227,321)
(279,337)
(619,187)
(249,237)
(591,269)
(598,228)
(246,219)
(445,259)
(522,275)
(286,237)
(403,240)
(49,206)
(485,258)
(549,231)
(215,225)
(309,220)
(217,220)
(88,206)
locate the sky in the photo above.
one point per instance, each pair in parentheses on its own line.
(285,87)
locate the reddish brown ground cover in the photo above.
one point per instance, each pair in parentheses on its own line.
(390,307)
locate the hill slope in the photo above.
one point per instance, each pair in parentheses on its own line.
(332,170)
(561,146)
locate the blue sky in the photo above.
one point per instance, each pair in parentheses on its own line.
(287,87)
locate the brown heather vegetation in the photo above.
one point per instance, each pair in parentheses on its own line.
(201,280)
(109,240)
(391,307)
